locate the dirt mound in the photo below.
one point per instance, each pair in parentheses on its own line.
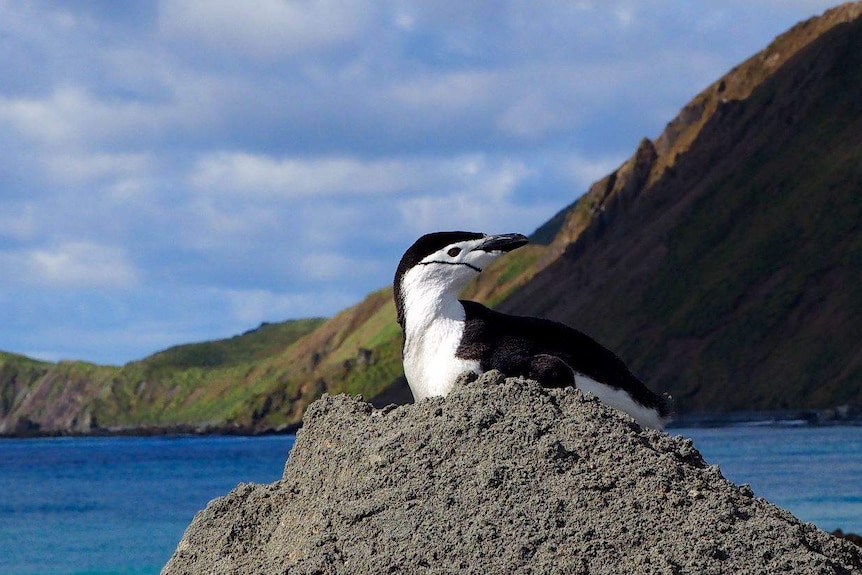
(501,476)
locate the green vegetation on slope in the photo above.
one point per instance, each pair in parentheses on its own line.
(764,266)
(251,346)
(185,386)
(200,384)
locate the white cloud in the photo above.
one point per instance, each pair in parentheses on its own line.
(251,307)
(625,15)
(328,267)
(256,175)
(531,118)
(76,167)
(582,171)
(453,92)
(468,212)
(70,116)
(484,201)
(332,224)
(322,220)
(74,265)
(268,29)
(18,221)
(207,219)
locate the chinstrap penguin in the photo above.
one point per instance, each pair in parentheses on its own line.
(445,337)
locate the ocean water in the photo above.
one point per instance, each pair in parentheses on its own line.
(116,505)
(120,505)
(815,472)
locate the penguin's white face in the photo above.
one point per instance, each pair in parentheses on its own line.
(444,263)
(465,254)
(455,264)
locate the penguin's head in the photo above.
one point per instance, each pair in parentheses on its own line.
(444,262)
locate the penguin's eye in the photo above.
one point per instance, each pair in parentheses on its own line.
(453,252)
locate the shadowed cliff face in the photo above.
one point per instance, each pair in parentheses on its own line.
(652,160)
(730,278)
(501,476)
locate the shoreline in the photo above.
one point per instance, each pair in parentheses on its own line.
(154,431)
(773,418)
(784,418)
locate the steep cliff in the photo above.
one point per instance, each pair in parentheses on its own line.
(729,277)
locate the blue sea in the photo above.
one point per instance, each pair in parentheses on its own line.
(117,504)
(120,505)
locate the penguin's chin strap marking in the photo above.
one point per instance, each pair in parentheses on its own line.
(471,266)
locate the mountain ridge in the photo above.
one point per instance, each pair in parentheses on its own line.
(776,173)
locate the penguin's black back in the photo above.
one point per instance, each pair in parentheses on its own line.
(512,343)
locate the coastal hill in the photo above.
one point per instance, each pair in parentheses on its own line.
(185,388)
(721,262)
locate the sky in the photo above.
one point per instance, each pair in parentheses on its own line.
(184,170)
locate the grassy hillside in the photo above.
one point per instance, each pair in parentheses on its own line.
(186,386)
(251,346)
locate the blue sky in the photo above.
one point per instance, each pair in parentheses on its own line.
(183,170)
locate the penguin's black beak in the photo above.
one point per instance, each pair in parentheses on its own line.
(502,243)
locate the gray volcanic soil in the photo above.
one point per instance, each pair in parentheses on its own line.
(501,476)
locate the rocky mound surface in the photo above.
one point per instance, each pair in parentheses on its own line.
(502,476)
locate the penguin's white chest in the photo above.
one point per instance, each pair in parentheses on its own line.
(430,364)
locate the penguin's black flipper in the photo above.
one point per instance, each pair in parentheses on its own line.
(551,371)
